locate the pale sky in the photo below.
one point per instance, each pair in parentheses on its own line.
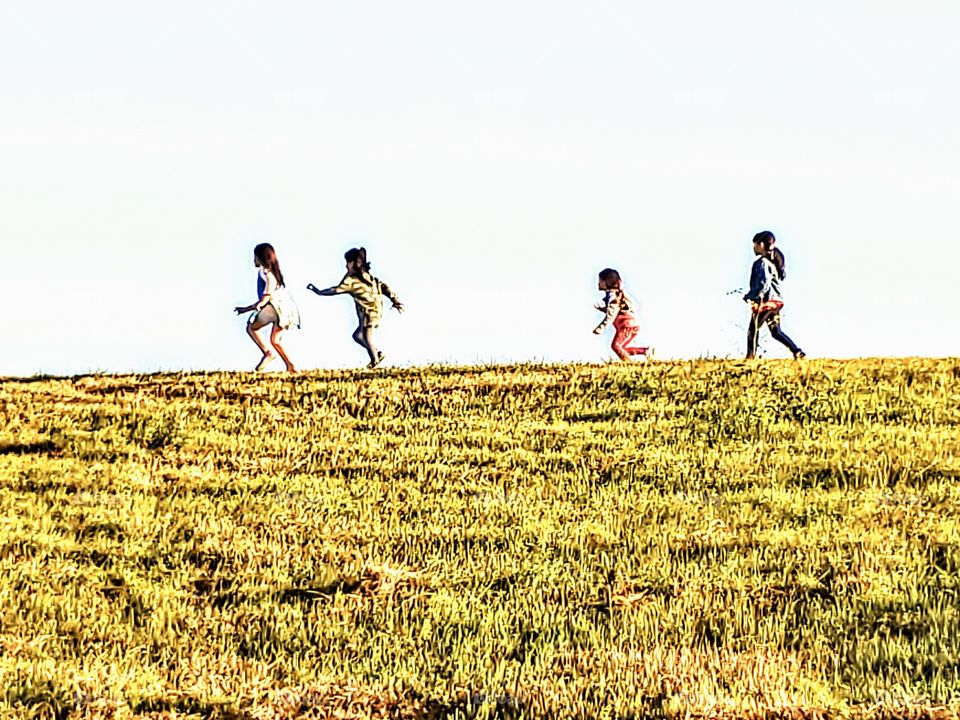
(492,157)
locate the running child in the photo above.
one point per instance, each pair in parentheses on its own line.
(367,292)
(275,306)
(620,309)
(765,298)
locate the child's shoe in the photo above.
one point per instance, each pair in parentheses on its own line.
(374,363)
(264,361)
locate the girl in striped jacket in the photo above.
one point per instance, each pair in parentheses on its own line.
(620,309)
(367,292)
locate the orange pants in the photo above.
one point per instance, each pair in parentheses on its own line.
(626,332)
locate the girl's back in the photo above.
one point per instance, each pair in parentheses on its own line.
(366,290)
(623,300)
(764,281)
(280,297)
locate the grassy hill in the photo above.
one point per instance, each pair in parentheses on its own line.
(709,539)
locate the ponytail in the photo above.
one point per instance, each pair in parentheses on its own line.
(779,262)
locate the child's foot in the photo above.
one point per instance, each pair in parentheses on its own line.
(264,361)
(374,363)
(799,355)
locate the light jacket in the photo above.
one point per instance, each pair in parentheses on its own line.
(764,282)
(367,292)
(616,303)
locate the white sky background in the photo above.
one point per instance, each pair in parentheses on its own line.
(492,157)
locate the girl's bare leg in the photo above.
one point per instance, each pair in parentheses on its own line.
(252,332)
(375,355)
(358,337)
(364,338)
(275,336)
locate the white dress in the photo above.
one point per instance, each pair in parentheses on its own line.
(281,309)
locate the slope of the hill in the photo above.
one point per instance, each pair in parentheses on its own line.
(706,538)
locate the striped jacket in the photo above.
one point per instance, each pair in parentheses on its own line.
(616,303)
(367,292)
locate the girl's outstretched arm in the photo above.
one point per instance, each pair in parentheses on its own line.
(391,296)
(327,292)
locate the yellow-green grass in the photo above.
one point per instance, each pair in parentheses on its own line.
(699,539)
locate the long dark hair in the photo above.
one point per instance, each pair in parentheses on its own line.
(610,278)
(265,253)
(358,254)
(767,239)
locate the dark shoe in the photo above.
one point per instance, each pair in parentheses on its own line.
(376,362)
(799,355)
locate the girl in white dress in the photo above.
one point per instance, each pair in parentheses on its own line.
(275,306)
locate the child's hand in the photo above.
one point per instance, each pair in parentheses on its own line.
(240,309)
(398,307)
(597,330)
(311,287)
(600,307)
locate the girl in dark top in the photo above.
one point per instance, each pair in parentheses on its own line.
(765,298)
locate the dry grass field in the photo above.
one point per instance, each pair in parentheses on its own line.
(703,539)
